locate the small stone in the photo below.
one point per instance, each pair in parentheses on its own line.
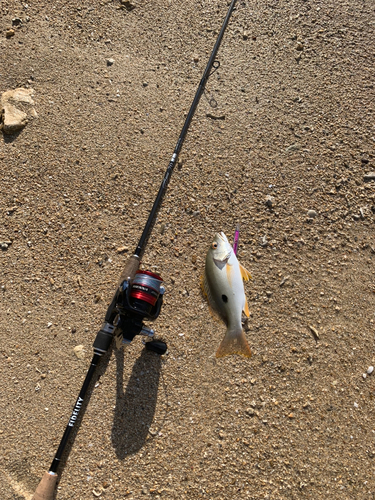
(293,147)
(312,214)
(195,58)
(13,118)
(16,21)
(315,332)
(110,62)
(49,325)
(245,35)
(263,241)
(122,249)
(79,351)
(128,5)
(270,201)
(364,375)
(4,246)
(370,369)
(299,46)
(9,33)
(369,177)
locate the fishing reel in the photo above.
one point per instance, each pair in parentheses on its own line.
(139,299)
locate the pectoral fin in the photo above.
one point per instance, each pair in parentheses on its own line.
(245,273)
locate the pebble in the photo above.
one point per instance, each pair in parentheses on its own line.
(110,62)
(369,177)
(263,241)
(127,4)
(9,33)
(122,249)
(270,201)
(15,119)
(79,351)
(312,214)
(364,375)
(370,369)
(292,147)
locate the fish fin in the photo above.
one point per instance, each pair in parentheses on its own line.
(246,308)
(234,342)
(203,287)
(245,273)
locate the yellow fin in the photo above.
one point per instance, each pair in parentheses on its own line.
(246,308)
(234,343)
(245,273)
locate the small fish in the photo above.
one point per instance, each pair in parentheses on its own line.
(223,286)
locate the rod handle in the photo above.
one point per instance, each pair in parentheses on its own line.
(130,269)
(46,488)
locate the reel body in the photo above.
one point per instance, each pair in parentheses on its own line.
(138,299)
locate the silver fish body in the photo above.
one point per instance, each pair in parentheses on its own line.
(223,287)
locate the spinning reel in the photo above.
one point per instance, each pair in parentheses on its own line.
(137,300)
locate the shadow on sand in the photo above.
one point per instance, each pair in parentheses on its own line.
(135,408)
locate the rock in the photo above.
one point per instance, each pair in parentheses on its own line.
(9,33)
(122,249)
(16,21)
(79,351)
(369,177)
(312,214)
(270,201)
(299,46)
(4,245)
(110,61)
(370,369)
(293,147)
(263,241)
(128,5)
(14,119)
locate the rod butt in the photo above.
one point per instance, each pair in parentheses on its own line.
(46,487)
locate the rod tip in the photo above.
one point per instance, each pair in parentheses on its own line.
(46,488)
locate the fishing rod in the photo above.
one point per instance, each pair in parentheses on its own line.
(139,295)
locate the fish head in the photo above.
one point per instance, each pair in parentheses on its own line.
(220,248)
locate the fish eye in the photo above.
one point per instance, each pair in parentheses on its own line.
(214,244)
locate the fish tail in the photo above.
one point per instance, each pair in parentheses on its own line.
(234,342)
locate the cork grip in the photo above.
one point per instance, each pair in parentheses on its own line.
(46,487)
(130,269)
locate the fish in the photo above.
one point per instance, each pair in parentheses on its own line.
(222,285)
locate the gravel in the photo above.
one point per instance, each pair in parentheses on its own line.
(77,186)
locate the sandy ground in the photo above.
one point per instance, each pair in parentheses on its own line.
(295,94)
